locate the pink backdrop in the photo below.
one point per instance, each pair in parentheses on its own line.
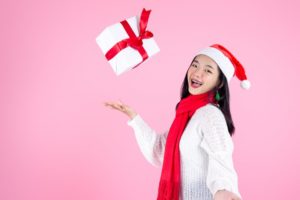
(58,141)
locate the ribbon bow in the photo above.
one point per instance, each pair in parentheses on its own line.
(133,41)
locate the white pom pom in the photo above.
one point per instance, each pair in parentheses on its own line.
(245,84)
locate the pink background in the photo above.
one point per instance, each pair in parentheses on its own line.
(58,141)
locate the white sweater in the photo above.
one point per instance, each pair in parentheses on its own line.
(205,153)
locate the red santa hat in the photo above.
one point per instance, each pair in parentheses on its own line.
(229,65)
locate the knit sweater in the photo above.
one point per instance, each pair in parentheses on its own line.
(205,147)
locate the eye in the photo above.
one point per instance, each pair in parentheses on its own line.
(208,71)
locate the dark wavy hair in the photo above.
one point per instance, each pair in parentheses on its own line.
(224,103)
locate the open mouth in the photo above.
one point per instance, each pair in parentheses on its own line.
(195,83)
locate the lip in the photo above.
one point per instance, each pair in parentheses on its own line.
(195,80)
(193,86)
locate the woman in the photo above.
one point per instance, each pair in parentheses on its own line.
(196,152)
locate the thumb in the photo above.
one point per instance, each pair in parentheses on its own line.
(123,104)
(120,102)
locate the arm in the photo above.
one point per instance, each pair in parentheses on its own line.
(219,146)
(151,143)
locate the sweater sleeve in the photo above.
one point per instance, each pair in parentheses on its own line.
(219,146)
(150,143)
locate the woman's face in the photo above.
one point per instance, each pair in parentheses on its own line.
(203,75)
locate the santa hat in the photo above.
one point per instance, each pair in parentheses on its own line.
(229,65)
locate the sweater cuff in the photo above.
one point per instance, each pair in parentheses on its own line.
(134,121)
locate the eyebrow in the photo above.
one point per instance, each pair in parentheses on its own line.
(196,61)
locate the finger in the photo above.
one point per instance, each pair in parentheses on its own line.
(126,107)
(108,103)
(113,106)
(120,102)
(117,106)
(123,108)
(120,107)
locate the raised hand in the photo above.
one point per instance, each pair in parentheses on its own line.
(122,108)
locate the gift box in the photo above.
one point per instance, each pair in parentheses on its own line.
(127,44)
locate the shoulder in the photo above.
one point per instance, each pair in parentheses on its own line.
(210,117)
(209,112)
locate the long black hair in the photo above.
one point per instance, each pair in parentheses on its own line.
(224,103)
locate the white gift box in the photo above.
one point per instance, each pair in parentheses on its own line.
(128,57)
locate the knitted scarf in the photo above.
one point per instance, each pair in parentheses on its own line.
(169,184)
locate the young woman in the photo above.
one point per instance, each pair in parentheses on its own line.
(196,152)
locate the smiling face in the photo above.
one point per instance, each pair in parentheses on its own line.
(203,75)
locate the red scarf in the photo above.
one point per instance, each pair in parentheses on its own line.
(170,176)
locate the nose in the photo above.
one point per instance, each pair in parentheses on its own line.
(198,72)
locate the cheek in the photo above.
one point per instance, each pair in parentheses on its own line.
(212,80)
(190,71)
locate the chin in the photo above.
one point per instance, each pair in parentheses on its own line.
(194,92)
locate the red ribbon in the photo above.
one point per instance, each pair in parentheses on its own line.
(133,41)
